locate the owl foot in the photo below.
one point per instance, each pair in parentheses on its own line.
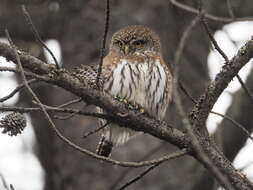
(121,99)
(131,105)
(135,106)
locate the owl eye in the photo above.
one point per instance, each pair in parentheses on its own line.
(139,42)
(118,43)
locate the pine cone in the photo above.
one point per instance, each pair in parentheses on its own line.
(88,75)
(13,123)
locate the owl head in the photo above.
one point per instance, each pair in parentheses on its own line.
(135,39)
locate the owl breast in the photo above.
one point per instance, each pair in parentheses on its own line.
(145,84)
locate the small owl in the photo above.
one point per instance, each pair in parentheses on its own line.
(135,70)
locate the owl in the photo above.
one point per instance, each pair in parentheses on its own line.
(134,70)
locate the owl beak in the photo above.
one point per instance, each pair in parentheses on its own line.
(126,49)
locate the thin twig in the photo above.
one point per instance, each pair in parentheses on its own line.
(67,116)
(29,74)
(103,43)
(67,104)
(53,109)
(182,87)
(3,181)
(182,113)
(70,102)
(12,187)
(215,44)
(17,89)
(95,130)
(230,10)
(209,16)
(244,87)
(145,157)
(235,123)
(142,174)
(64,117)
(36,34)
(222,53)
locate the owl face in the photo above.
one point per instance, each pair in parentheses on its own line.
(134,40)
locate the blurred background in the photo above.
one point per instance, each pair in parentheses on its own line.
(38,160)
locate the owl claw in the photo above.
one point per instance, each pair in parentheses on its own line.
(125,101)
(121,99)
(136,106)
(142,110)
(130,105)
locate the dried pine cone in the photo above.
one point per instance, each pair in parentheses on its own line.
(13,123)
(88,75)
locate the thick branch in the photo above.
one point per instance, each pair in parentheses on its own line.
(204,105)
(222,79)
(132,118)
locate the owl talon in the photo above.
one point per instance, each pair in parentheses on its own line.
(142,110)
(136,106)
(121,99)
(130,105)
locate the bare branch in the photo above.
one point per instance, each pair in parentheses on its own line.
(247,133)
(66,104)
(145,157)
(17,89)
(106,28)
(4,181)
(217,47)
(12,187)
(36,34)
(230,9)
(53,109)
(194,140)
(70,102)
(209,16)
(235,123)
(145,172)
(95,130)
(202,109)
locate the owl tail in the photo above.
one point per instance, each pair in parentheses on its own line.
(104,147)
